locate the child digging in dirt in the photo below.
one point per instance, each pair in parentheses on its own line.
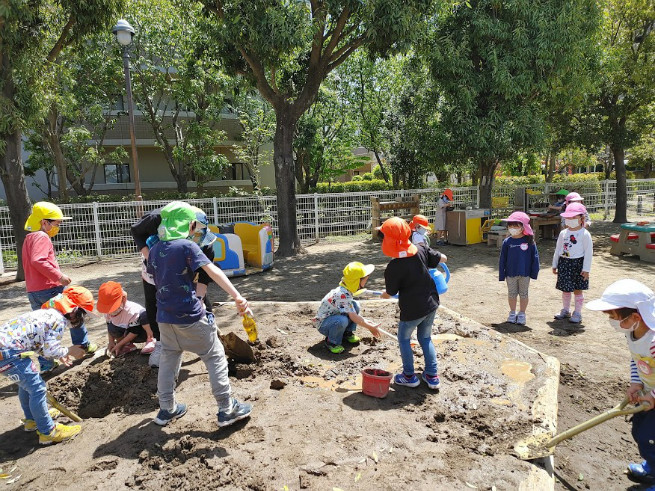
(572,261)
(519,261)
(408,276)
(183,325)
(630,306)
(338,315)
(127,322)
(41,332)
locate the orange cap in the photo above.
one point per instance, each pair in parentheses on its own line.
(110,296)
(420,220)
(396,241)
(449,194)
(72,297)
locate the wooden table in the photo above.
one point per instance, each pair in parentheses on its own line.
(544,223)
(636,246)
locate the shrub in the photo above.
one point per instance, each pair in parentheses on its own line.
(357,178)
(352,186)
(377,172)
(367,176)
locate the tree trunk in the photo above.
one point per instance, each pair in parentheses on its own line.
(621,212)
(487,170)
(552,162)
(289,242)
(385,175)
(18,201)
(53,133)
(181,179)
(302,170)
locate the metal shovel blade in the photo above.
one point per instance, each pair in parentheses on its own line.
(538,446)
(64,410)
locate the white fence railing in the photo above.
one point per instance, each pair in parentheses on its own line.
(102,230)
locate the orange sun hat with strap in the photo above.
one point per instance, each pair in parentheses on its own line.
(71,298)
(448,193)
(396,242)
(110,297)
(420,220)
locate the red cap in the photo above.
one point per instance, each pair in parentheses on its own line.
(72,297)
(396,242)
(449,194)
(110,296)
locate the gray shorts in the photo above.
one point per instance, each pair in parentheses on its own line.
(517,285)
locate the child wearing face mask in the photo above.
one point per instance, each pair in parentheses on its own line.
(630,306)
(572,262)
(420,230)
(519,261)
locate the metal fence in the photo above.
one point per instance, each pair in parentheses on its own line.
(102,230)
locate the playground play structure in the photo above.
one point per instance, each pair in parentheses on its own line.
(243,248)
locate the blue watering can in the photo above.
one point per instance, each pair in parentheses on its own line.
(439,280)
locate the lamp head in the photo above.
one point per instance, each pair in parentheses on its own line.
(123,32)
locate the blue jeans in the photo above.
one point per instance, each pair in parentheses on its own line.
(79,335)
(423,325)
(31,388)
(335,326)
(643,432)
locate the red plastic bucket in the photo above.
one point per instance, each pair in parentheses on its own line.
(375,382)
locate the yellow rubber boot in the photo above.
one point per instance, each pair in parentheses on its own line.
(61,433)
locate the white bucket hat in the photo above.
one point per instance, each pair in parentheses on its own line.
(628,294)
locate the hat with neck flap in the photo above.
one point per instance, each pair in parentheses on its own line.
(175,219)
(353,273)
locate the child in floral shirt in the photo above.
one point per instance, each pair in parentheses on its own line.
(338,314)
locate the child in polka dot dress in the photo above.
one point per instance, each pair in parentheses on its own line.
(572,261)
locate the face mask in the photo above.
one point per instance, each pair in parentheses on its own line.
(54,230)
(616,324)
(515,230)
(572,222)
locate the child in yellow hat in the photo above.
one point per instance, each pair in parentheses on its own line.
(338,315)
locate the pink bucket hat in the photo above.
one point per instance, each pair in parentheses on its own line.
(522,218)
(573,210)
(573,197)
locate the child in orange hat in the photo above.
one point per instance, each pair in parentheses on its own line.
(127,322)
(408,276)
(420,230)
(444,202)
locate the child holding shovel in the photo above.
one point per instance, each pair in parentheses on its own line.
(408,276)
(183,325)
(338,315)
(630,306)
(41,332)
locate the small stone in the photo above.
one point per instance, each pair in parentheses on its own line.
(277,384)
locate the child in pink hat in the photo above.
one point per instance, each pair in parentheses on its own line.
(576,198)
(572,261)
(519,261)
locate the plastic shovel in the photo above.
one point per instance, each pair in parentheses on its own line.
(543,445)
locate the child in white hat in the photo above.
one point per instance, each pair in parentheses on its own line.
(630,306)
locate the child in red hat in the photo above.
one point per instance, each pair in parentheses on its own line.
(420,230)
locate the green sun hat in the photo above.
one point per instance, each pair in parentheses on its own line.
(562,192)
(175,219)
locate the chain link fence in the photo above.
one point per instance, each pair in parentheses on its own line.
(102,230)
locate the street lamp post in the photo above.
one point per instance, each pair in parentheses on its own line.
(124,33)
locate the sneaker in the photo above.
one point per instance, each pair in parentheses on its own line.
(563,314)
(334,348)
(402,379)
(351,337)
(164,417)
(91,348)
(30,424)
(153,361)
(238,411)
(511,318)
(431,380)
(641,472)
(60,433)
(576,318)
(149,347)
(520,318)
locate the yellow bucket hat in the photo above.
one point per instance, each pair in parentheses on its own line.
(43,210)
(352,273)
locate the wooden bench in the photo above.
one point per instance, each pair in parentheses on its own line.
(496,238)
(635,239)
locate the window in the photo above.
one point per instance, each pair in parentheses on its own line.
(237,172)
(117,173)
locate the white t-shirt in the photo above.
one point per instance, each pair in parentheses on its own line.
(642,365)
(573,244)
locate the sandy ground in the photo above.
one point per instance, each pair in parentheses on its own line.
(594,373)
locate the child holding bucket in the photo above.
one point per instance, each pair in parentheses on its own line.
(420,230)
(338,315)
(408,276)
(572,261)
(630,306)
(519,261)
